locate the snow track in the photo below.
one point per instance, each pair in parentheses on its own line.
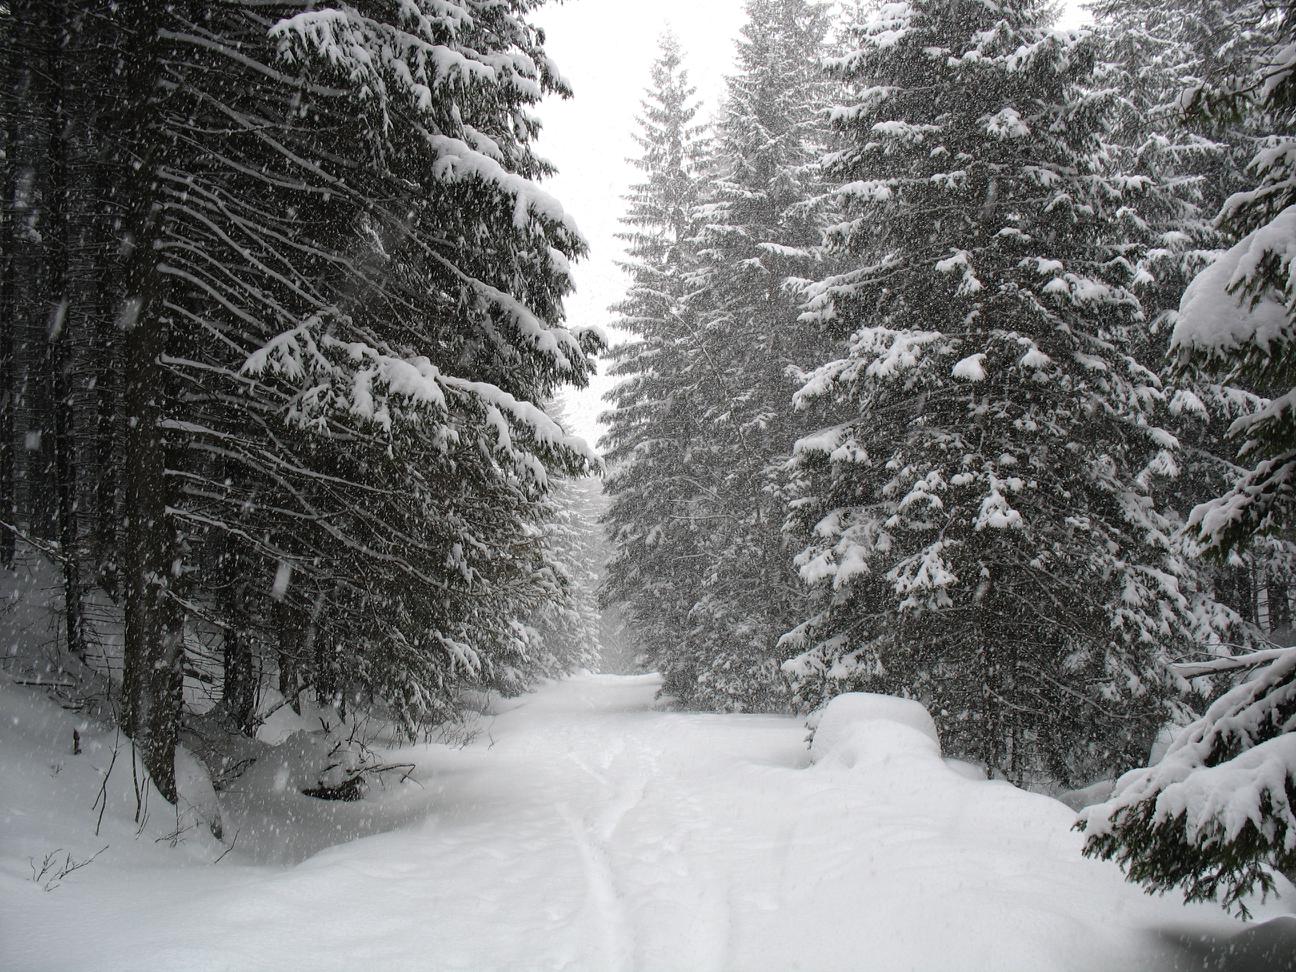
(609,912)
(593,830)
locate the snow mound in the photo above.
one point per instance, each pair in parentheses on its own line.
(306,760)
(198,805)
(862,729)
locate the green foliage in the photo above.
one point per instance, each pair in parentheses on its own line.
(978,527)
(1215,816)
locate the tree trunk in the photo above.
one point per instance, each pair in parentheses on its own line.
(1280,614)
(59,295)
(107,457)
(16,75)
(238,697)
(154,623)
(241,678)
(291,638)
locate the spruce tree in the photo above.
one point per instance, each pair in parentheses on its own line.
(315,312)
(655,480)
(979,531)
(1180,168)
(566,625)
(435,350)
(759,234)
(1215,815)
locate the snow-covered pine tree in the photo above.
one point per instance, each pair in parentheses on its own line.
(1236,318)
(758,236)
(435,348)
(654,479)
(567,623)
(334,454)
(1217,815)
(1186,165)
(1183,166)
(979,532)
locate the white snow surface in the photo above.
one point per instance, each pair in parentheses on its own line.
(587,827)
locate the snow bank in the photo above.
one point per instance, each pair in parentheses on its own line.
(77,799)
(197,802)
(860,728)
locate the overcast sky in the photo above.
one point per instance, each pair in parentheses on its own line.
(605,49)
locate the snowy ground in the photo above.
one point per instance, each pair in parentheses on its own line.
(585,829)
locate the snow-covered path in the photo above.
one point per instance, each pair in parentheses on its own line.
(587,829)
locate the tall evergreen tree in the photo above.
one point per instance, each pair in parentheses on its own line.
(1217,815)
(759,233)
(1186,164)
(980,533)
(319,317)
(655,480)
(567,624)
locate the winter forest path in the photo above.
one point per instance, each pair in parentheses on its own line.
(590,829)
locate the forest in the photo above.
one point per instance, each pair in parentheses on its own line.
(955,362)
(963,372)
(282,313)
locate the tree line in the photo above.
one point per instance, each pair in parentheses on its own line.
(910,404)
(282,329)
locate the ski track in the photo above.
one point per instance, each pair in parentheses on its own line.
(598,832)
(609,912)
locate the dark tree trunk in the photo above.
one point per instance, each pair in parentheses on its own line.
(241,679)
(58,293)
(106,393)
(289,686)
(15,81)
(1280,614)
(291,638)
(154,622)
(238,699)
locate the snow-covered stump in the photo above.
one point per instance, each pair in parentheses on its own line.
(859,728)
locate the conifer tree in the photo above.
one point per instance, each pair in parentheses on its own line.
(1216,816)
(436,348)
(655,479)
(979,533)
(1181,167)
(318,317)
(567,623)
(760,229)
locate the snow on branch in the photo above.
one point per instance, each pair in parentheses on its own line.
(456,162)
(355,378)
(372,53)
(1219,317)
(1216,814)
